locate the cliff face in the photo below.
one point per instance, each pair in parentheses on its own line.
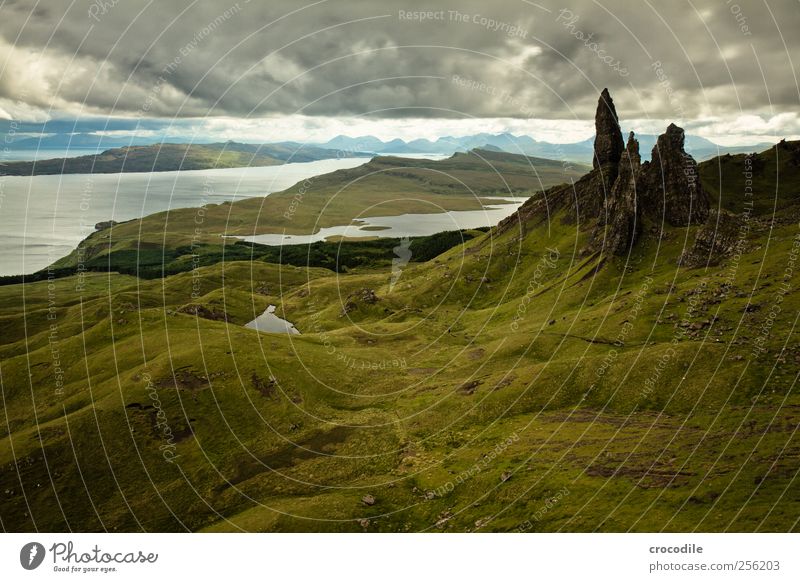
(621,209)
(666,189)
(608,144)
(620,191)
(671,184)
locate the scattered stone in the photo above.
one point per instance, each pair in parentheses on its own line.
(265,387)
(469,388)
(203,312)
(444,517)
(717,239)
(504,382)
(359,297)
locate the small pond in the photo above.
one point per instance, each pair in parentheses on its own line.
(402,225)
(271,323)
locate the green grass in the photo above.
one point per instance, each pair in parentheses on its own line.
(341,256)
(443,385)
(771,175)
(385,186)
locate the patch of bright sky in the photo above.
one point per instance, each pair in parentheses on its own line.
(729,130)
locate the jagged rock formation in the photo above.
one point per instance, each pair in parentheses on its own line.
(608,144)
(671,184)
(584,199)
(621,208)
(622,191)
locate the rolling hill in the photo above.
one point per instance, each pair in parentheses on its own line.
(385,186)
(569,370)
(168,157)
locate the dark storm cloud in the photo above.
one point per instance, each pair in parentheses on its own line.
(196,58)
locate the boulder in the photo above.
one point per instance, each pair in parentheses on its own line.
(359,297)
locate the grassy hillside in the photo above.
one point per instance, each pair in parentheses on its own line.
(340,255)
(514,383)
(772,176)
(170,157)
(386,186)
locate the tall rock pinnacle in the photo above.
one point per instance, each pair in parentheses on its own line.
(621,192)
(608,144)
(622,207)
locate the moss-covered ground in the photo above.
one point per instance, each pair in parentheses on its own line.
(514,383)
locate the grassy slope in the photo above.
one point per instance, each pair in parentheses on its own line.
(774,176)
(712,447)
(385,186)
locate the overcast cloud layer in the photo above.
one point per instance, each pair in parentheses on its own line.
(722,68)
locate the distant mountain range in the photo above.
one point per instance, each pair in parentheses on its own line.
(699,147)
(64,141)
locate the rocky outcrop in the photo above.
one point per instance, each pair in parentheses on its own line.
(621,215)
(790,149)
(722,236)
(620,192)
(671,188)
(203,311)
(585,199)
(104,224)
(359,297)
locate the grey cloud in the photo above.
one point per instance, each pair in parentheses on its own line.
(245,66)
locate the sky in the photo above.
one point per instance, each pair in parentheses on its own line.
(279,70)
